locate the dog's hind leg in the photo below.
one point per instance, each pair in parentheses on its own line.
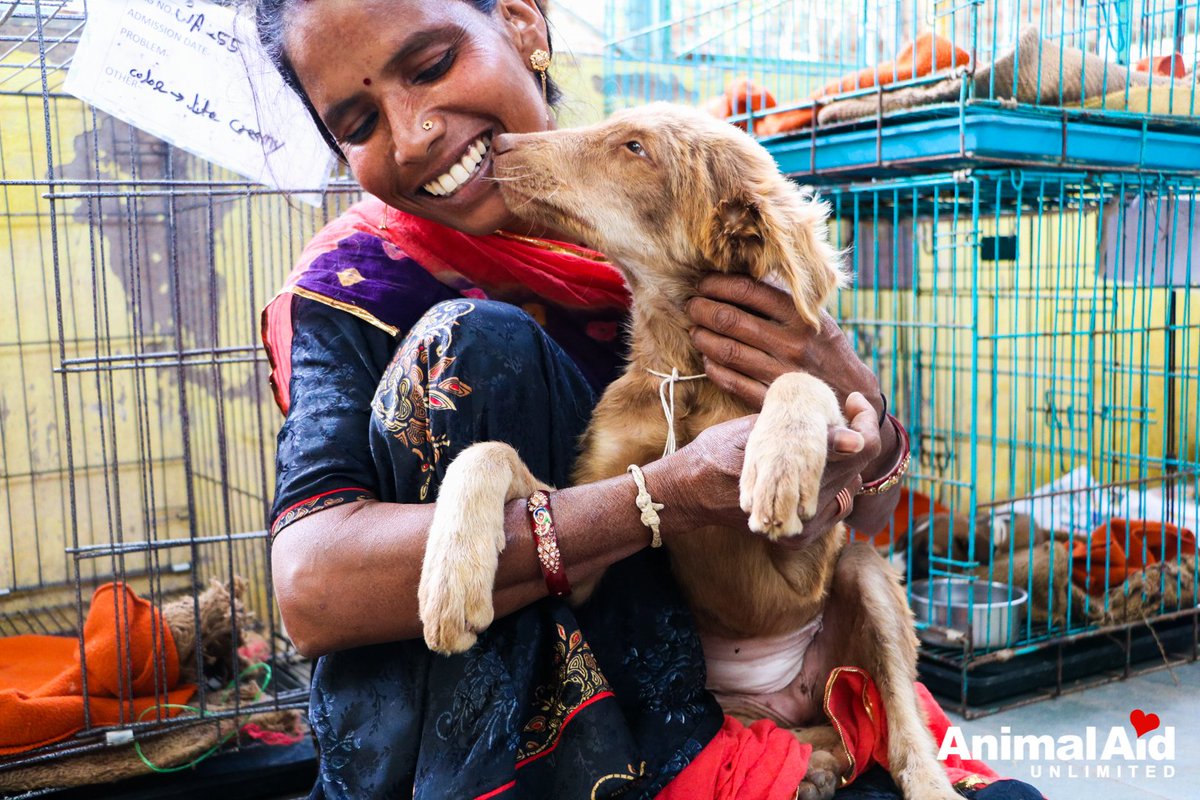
(465,540)
(827,765)
(866,597)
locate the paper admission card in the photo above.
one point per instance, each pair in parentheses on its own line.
(192,73)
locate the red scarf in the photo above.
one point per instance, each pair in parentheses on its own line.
(499,264)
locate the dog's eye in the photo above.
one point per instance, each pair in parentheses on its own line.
(636,148)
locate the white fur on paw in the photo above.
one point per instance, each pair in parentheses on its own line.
(779,486)
(454,607)
(455,595)
(465,540)
(772,497)
(785,455)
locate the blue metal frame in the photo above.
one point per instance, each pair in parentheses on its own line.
(954,136)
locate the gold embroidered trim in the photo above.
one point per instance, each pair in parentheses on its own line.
(350,276)
(632,774)
(971,782)
(365,316)
(837,725)
(575,669)
(553,247)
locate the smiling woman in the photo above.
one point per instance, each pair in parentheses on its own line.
(407,104)
(428,317)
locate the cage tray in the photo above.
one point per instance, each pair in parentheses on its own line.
(990,684)
(945,137)
(251,773)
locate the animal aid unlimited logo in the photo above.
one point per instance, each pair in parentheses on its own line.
(1144,749)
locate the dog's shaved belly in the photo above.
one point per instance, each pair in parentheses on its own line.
(763,677)
(796,705)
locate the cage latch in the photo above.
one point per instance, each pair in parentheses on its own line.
(118,737)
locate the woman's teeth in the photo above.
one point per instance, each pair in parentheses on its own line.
(460,173)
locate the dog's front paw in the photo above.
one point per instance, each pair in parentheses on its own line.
(779,485)
(770,493)
(455,599)
(465,540)
(822,778)
(785,455)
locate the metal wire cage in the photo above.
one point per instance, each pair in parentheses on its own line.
(1016,186)
(136,427)
(985,78)
(1037,333)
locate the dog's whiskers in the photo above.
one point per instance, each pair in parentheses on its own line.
(505,178)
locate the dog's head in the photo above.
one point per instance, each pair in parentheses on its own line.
(668,193)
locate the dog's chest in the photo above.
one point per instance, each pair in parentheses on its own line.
(705,408)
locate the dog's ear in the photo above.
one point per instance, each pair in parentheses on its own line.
(734,239)
(781,234)
(805,260)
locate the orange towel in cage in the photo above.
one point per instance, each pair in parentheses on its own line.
(1172,65)
(912,510)
(1120,548)
(740,97)
(131,661)
(928,54)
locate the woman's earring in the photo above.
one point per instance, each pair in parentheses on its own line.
(540,61)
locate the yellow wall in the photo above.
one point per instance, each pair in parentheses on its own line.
(1068,369)
(127,433)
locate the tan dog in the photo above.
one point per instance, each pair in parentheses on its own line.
(668,194)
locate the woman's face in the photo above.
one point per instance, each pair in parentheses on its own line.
(414,91)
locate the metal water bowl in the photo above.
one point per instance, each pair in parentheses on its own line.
(993,613)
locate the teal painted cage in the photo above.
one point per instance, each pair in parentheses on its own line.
(1024,235)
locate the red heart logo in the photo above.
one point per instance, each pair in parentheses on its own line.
(1143,722)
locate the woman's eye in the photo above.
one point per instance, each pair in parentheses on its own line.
(438,69)
(635,148)
(361,133)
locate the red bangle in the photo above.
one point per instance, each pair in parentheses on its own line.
(893,476)
(546,540)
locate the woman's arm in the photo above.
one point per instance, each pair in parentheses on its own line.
(347,576)
(750,334)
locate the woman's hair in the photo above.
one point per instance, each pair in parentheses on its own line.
(270,17)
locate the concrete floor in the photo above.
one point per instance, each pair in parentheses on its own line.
(1173,695)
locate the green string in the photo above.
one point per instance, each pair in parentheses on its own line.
(137,745)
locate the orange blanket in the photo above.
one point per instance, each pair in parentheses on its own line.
(928,54)
(1120,548)
(1172,65)
(922,508)
(41,683)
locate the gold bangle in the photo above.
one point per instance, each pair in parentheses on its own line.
(889,481)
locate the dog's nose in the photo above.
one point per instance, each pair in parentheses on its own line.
(503,143)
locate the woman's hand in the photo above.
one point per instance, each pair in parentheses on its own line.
(749,334)
(707,470)
(706,473)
